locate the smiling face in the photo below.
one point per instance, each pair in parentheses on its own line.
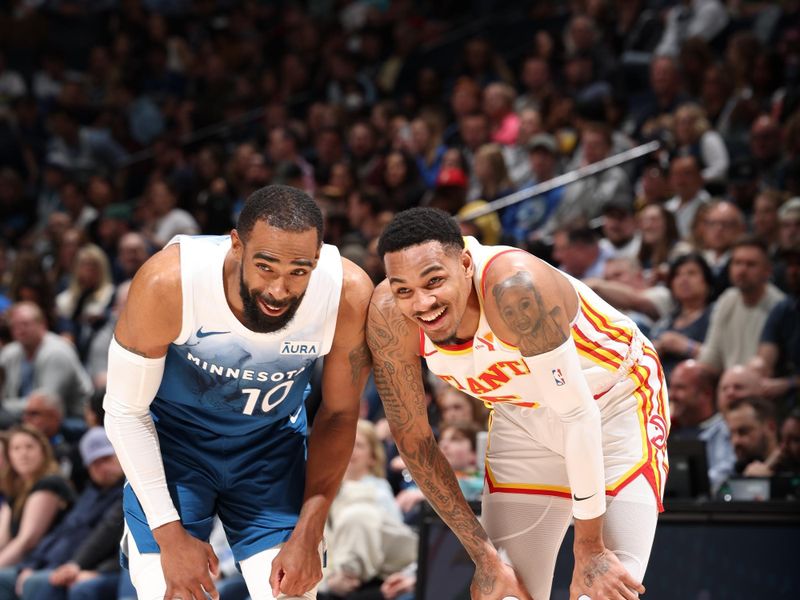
(432,285)
(274,270)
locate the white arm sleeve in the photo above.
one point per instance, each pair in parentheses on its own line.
(133,381)
(565,391)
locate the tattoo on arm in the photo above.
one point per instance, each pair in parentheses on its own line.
(133,350)
(359,360)
(523,310)
(399,383)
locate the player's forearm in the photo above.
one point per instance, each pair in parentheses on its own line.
(330,446)
(435,477)
(588,536)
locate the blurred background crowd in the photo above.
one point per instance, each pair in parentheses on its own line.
(126,122)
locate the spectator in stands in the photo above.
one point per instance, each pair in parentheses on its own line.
(493,179)
(458,442)
(679,335)
(44,411)
(40,359)
(427,147)
(132,252)
(765,147)
(754,436)
(537,84)
(702,18)
(789,458)
(653,186)
(686,181)
(695,137)
(765,217)
(735,383)
(660,243)
(165,219)
(83,308)
(458,407)
(778,356)
(402,185)
(450,193)
(650,110)
(366,537)
(623,286)
(585,199)
(621,238)
(694,416)
(723,225)
(577,252)
(362,144)
(788,233)
(743,184)
(35,496)
(498,105)
(65,544)
(530,219)
(97,355)
(738,317)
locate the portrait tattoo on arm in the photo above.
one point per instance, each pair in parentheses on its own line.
(523,310)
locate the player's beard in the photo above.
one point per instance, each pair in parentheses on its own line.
(255,318)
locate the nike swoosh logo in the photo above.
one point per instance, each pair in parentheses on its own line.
(202,334)
(574,497)
(293,418)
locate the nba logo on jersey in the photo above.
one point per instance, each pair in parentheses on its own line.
(559,378)
(297,348)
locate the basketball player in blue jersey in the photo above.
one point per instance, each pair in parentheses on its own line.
(579,410)
(208,372)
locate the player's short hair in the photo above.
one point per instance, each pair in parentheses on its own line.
(417,226)
(281,206)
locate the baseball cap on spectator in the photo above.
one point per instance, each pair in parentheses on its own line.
(542,141)
(790,208)
(451,177)
(94,444)
(742,171)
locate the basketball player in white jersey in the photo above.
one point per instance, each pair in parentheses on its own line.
(579,409)
(208,373)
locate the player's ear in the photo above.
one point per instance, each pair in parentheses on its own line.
(236,244)
(467,263)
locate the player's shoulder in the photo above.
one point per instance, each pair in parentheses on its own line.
(356,286)
(159,278)
(508,264)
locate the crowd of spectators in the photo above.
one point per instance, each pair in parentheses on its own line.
(126,122)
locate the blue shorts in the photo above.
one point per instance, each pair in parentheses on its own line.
(254,483)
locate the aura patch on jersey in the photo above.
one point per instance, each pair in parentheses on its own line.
(299,348)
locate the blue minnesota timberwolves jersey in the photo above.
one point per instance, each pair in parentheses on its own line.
(230,412)
(221,377)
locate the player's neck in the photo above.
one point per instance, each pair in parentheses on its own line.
(231,279)
(471,317)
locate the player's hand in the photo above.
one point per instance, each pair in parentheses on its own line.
(187,562)
(497,580)
(600,576)
(296,569)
